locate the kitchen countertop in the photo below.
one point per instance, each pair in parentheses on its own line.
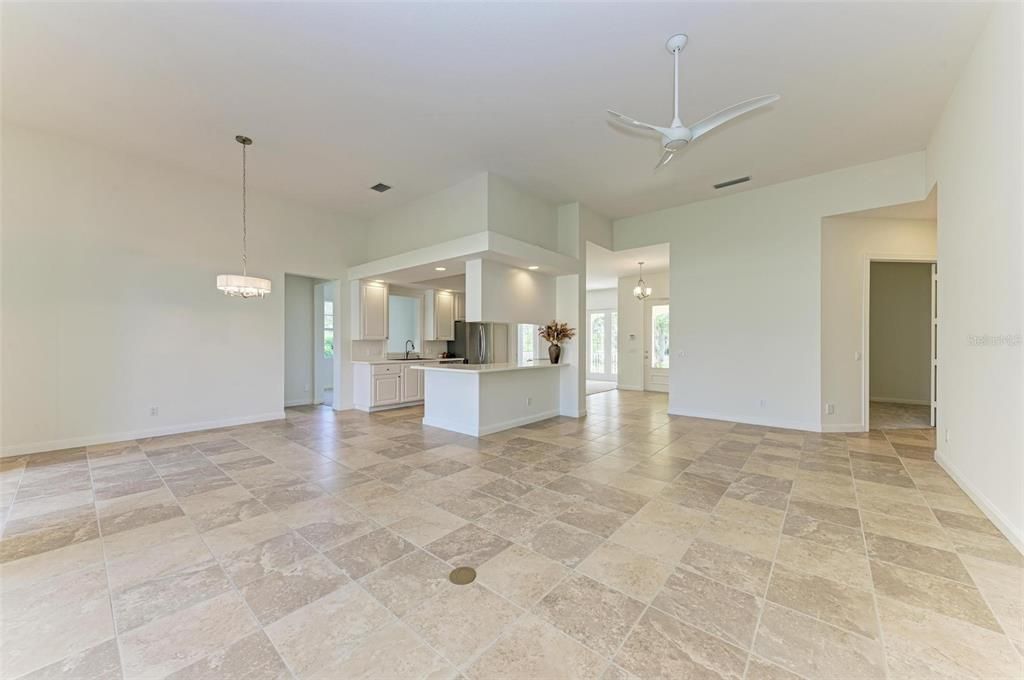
(490,368)
(404,361)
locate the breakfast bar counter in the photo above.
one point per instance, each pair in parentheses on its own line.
(479,399)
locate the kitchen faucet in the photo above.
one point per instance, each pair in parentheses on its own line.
(409,345)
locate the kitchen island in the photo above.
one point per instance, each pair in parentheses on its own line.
(478,399)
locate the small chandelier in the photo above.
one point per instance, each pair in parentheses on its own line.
(641,290)
(243,285)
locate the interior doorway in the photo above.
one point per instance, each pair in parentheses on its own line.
(656,344)
(901,376)
(310,313)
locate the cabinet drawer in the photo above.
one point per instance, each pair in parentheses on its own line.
(384,369)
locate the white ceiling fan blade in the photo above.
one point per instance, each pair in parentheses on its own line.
(665,158)
(635,123)
(727,114)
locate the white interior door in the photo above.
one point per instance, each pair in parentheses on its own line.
(656,344)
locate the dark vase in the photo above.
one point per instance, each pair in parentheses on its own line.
(554,353)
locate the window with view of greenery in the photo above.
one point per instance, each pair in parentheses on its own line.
(604,344)
(328,329)
(527,345)
(659,336)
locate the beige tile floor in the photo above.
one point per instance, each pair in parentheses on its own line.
(887,415)
(630,544)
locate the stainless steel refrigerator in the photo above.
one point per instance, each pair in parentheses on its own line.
(480,342)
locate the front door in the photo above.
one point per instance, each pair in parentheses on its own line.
(656,349)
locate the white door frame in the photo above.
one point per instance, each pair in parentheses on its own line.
(865,332)
(648,304)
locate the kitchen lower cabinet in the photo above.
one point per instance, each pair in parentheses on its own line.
(387,390)
(412,384)
(382,386)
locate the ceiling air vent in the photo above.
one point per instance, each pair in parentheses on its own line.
(731,182)
(380,187)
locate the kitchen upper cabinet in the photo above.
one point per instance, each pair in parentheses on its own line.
(439,319)
(445,318)
(460,306)
(370,311)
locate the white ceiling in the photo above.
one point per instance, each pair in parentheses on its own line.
(421,96)
(606,267)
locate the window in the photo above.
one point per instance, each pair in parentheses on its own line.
(328,329)
(597,342)
(527,342)
(659,336)
(603,328)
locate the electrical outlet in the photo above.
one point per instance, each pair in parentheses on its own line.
(154,410)
(306,388)
(830,409)
(947,435)
(529,401)
(764,403)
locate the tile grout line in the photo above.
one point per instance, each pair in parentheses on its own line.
(771,574)
(106,563)
(867,555)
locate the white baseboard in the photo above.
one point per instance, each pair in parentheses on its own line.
(569,413)
(462,428)
(842,427)
(897,400)
(305,401)
(389,407)
(748,420)
(631,388)
(93,440)
(1013,534)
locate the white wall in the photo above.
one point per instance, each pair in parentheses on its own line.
(499,292)
(745,289)
(483,202)
(975,156)
(900,330)
(606,298)
(846,245)
(631,323)
(298,340)
(513,212)
(577,225)
(456,211)
(109,304)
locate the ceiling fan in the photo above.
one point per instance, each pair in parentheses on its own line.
(676,136)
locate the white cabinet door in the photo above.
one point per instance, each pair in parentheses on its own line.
(444,316)
(412,384)
(460,306)
(373,311)
(387,389)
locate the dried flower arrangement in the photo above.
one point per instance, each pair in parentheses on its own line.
(556,332)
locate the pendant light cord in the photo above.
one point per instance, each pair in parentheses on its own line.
(244,229)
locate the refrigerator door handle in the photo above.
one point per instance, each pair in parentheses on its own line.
(483,346)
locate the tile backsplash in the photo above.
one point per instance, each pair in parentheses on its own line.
(364,350)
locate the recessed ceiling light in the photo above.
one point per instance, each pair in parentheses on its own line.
(533,267)
(440,269)
(380,187)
